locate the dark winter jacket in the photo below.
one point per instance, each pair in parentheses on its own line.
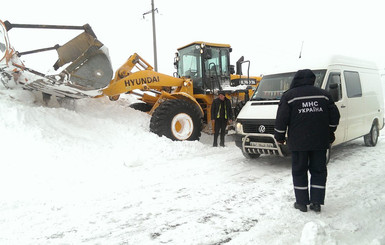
(222,109)
(308,112)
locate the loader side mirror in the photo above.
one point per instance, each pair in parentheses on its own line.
(176,60)
(239,65)
(232,69)
(207,54)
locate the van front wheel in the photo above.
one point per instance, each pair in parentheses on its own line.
(372,137)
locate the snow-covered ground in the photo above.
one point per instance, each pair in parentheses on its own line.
(94,174)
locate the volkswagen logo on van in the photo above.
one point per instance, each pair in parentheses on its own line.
(262,129)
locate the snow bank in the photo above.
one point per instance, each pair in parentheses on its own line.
(94,174)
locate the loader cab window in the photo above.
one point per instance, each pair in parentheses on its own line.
(225,62)
(212,69)
(207,67)
(189,64)
(217,74)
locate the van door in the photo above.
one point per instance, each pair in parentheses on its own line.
(336,88)
(355,106)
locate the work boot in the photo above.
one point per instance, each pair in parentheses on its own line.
(301,207)
(215,145)
(315,207)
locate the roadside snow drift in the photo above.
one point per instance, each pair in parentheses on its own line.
(92,173)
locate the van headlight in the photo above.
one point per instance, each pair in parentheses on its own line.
(238,128)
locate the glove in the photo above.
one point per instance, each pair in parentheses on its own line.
(279,137)
(332,137)
(281,142)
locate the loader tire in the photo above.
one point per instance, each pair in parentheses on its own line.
(177,119)
(141,107)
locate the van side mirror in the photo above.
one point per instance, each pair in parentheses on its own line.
(333,89)
(333,86)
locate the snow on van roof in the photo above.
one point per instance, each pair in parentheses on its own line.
(321,62)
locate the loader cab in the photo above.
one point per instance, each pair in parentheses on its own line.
(207,64)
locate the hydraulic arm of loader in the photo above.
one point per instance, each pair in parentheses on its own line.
(146,79)
(125,80)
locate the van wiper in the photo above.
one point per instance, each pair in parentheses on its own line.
(259,99)
(263,99)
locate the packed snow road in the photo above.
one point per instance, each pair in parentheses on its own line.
(94,174)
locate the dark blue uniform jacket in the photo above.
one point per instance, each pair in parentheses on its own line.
(308,113)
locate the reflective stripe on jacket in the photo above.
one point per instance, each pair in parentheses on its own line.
(215,109)
(219,111)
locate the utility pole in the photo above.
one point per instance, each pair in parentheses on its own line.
(152,11)
(154,35)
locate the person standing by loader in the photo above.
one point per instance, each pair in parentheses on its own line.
(311,117)
(221,113)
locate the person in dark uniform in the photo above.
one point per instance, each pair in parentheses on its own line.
(221,113)
(311,117)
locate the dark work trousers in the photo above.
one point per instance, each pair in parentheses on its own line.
(220,126)
(315,163)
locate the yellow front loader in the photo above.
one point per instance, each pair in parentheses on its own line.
(180,105)
(175,112)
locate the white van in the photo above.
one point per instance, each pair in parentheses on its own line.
(355,86)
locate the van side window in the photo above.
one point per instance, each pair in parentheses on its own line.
(333,86)
(353,84)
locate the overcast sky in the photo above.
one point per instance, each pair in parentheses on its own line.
(268,33)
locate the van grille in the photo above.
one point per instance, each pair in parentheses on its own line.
(252,126)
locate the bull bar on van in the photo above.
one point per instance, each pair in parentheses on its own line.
(251,144)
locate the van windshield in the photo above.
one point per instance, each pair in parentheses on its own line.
(271,87)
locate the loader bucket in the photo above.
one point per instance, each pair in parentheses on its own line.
(3,44)
(90,65)
(84,61)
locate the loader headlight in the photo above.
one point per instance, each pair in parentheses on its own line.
(238,128)
(202,47)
